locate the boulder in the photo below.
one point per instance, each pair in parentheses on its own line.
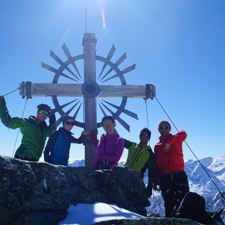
(38,189)
(156,219)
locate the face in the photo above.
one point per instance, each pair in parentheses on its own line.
(68,125)
(42,115)
(144,138)
(108,126)
(164,129)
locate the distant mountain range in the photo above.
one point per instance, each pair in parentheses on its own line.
(199,182)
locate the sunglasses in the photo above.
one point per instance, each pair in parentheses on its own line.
(43,112)
(144,134)
(68,123)
(165,127)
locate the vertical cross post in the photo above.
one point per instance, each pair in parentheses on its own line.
(90,114)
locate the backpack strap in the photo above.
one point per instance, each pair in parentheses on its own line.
(177,152)
(105,163)
(185,199)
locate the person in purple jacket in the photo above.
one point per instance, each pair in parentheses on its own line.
(110,146)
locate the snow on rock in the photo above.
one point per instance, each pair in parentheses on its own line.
(96,212)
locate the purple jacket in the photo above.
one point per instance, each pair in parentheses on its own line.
(114,146)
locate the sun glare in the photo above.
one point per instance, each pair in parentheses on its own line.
(103,20)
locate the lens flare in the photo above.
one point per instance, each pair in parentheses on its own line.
(103,20)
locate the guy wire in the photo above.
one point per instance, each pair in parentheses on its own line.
(146,111)
(12,91)
(17,89)
(153,197)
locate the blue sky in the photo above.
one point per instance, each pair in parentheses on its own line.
(177,45)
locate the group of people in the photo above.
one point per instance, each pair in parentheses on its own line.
(165,166)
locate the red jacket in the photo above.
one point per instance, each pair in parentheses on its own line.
(172,159)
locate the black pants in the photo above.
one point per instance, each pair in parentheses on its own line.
(174,186)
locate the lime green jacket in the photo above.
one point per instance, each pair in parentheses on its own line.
(139,159)
(33,139)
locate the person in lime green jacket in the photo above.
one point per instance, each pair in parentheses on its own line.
(141,157)
(34,130)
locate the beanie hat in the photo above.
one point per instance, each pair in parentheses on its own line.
(44,107)
(67,117)
(146,130)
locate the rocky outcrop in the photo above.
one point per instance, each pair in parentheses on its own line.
(154,221)
(40,190)
(38,193)
(149,221)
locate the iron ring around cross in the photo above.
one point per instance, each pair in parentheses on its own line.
(90,89)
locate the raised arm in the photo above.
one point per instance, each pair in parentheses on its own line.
(4,113)
(178,137)
(52,120)
(7,120)
(93,138)
(81,138)
(128,144)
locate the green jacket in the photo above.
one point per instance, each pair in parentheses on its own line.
(139,159)
(33,139)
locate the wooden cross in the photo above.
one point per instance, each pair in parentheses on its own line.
(89,90)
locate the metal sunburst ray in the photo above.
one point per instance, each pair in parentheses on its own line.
(129,113)
(118,62)
(56,124)
(75,114)
(121,121)
(69,56)
(52,69)
(72,108)
(128,69)
(61,107)
(58,60)
(104,113)
(110,55)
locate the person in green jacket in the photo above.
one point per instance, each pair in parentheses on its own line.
(141,157)
(34,130)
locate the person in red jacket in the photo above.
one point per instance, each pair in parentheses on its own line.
(170,174)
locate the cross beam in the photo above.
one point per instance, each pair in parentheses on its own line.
(75,90)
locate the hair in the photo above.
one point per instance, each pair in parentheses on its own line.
(108,118)
(146,130)
(67,117)
(44,107)
(164,121)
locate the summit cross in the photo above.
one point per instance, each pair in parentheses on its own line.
(89,90)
